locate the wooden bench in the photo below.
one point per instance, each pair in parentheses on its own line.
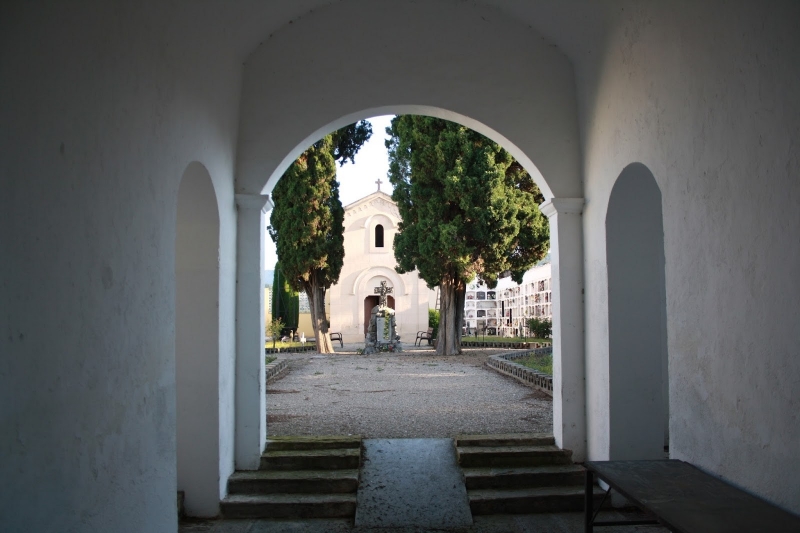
(337,337)
(684,499)
(424,336)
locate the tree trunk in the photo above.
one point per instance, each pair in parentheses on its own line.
(316,301)
(451,314)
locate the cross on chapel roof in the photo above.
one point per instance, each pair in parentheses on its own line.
(378,181)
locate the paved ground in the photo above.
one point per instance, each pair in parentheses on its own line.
(411,482)
(414,394)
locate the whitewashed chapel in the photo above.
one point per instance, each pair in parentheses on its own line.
(369,228)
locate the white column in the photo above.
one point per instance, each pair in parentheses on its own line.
(569,374)
(251,403)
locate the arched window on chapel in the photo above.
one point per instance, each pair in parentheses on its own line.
(379,236)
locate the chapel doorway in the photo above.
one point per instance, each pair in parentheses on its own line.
(369,303)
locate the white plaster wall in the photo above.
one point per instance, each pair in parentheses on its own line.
(102,108)
(705,95)
(425,63)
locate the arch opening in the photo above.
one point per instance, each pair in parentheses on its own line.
(361,306)
(638,376)
(197,342)
(437,112)
(379,236)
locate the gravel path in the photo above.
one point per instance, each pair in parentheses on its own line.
(415,394)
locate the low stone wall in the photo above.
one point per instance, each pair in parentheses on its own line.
(503,344)
(504,363)
(276,368)
(311,347)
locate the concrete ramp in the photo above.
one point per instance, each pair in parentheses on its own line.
(411,482)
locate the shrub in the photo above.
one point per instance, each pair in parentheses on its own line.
(540,328)
(275,327)
(433,321)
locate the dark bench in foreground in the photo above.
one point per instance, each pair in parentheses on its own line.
(684,499)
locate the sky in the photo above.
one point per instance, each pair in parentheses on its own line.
(356,180)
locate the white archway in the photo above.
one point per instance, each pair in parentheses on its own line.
(430,71)
(637,335)
(197,342)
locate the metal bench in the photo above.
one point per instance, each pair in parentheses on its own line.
(337,337)
(684,499)
(424,336)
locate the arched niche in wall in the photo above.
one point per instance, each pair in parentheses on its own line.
(636,317)
(197,342)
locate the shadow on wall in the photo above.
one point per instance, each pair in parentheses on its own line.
(639,398)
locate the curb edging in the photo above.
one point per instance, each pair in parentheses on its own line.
(276,368)
(504,364)
(503,344)
(296,349)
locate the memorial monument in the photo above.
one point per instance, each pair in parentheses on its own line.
(382,332)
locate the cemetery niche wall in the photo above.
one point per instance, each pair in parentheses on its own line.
(505,310)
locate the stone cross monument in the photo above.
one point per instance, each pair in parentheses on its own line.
(383,290)
(382,333)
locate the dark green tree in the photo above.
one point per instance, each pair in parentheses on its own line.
(541,328)
(307,223)
(285,300)
(468,209)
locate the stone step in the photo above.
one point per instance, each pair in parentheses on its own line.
(509,439)
(524,477)
(505,456)
(293,482)
(346,458)
(529,501)
(289,506)
(330,442)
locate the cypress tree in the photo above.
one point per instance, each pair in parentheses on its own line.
(285,301)
(468,208)
(307,223)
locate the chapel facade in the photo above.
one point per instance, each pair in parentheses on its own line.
(370,224)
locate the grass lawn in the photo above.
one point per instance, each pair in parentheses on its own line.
(279,344)
(540,363)
(269,359)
